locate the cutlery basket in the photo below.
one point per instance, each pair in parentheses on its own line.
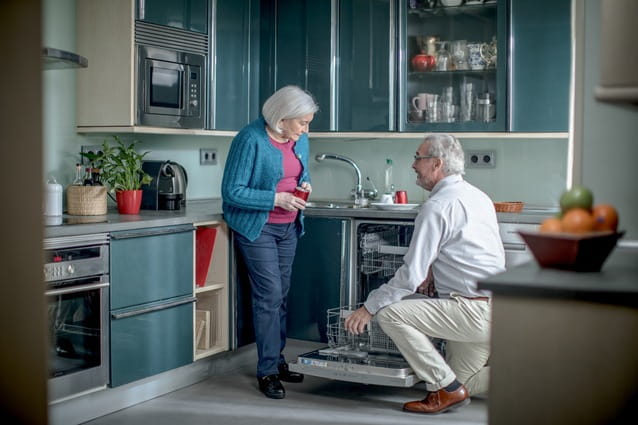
(86,200)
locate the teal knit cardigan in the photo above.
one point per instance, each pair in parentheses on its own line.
(253,169)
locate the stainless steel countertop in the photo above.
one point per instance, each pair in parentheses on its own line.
(531,215)
(193,212)
(208,210)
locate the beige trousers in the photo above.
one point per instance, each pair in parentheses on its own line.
(462,322)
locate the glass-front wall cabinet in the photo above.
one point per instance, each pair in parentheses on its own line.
(189,15)
(453,68)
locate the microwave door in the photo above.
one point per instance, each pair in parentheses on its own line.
(165,88)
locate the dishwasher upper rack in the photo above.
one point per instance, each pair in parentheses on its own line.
(372,340)
(382,247)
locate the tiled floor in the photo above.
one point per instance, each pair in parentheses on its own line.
(235,400)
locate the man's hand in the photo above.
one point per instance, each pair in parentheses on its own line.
(357,321)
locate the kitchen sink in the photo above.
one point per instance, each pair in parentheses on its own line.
(332,204)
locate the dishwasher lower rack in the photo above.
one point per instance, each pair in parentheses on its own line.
(368,358)
(372,340)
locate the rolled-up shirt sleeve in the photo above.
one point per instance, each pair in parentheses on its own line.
(429,230)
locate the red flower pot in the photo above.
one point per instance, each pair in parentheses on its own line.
(128,201)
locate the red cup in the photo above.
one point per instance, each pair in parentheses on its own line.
(301,193)
(401,197)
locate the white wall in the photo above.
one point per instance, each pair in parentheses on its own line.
(610,137)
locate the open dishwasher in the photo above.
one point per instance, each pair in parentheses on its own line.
(371,357)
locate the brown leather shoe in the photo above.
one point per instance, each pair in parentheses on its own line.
(439,401)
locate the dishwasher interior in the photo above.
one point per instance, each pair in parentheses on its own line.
(371,357)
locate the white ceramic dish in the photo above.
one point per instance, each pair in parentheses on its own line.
(394,207)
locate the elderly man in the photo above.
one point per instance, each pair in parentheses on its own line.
(455,237)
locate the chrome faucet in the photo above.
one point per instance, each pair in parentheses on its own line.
(360,195)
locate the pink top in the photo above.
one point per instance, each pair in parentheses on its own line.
(292,171)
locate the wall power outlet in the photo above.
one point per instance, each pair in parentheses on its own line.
(480,159)
(207,156)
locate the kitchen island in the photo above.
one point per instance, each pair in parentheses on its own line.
(565,344)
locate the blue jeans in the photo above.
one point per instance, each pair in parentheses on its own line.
(269,262)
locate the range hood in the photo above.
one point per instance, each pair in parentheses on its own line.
(61,59)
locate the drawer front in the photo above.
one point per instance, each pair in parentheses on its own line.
(145,344)
(509,232)
(151,266)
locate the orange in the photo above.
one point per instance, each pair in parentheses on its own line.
(577,220)
(551,225)
(605,217)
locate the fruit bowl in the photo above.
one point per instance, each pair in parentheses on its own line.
(581,253)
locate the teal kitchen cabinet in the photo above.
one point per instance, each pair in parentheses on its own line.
(189,15)
(302,52)
(319,274)
(151,302)
(453,67)
(366,72)
(237,64)
(540,57)
(341,52)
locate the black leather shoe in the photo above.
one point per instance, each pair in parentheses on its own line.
(287,376)
(271,386)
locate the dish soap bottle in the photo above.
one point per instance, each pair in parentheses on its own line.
(389,186)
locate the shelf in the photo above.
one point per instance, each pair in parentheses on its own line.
(212,269)
(211,287)
(211,324)
(53,58)
(136,129)
(463,72)
(477,10)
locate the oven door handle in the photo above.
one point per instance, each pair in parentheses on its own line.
(74,289)
(164,306)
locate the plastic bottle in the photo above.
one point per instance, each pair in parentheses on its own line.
(389,185)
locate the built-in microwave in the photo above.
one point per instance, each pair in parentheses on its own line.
(171,88)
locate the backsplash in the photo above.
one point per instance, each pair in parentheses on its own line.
(529,170)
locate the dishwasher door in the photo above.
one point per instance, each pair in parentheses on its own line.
(378,248)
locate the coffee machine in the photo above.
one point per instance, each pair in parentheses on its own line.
(167,191)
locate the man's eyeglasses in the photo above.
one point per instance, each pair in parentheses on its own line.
(417,157)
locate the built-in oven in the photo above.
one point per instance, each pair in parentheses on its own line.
(171,77)
(77,297)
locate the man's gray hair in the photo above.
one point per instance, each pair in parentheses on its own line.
(286,103)
(448,148)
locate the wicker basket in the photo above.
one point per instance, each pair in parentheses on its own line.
(86,200)
(510,207)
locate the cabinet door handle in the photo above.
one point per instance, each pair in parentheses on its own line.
(151,232)
(151,309)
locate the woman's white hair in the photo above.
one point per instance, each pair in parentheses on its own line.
(448,148)
(286,103)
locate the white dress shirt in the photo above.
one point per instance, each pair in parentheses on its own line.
(456,232)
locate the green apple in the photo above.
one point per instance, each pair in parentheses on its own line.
(576,197)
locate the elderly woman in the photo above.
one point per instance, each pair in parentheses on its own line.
(267,160)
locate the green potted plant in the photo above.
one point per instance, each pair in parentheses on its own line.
(121,170)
